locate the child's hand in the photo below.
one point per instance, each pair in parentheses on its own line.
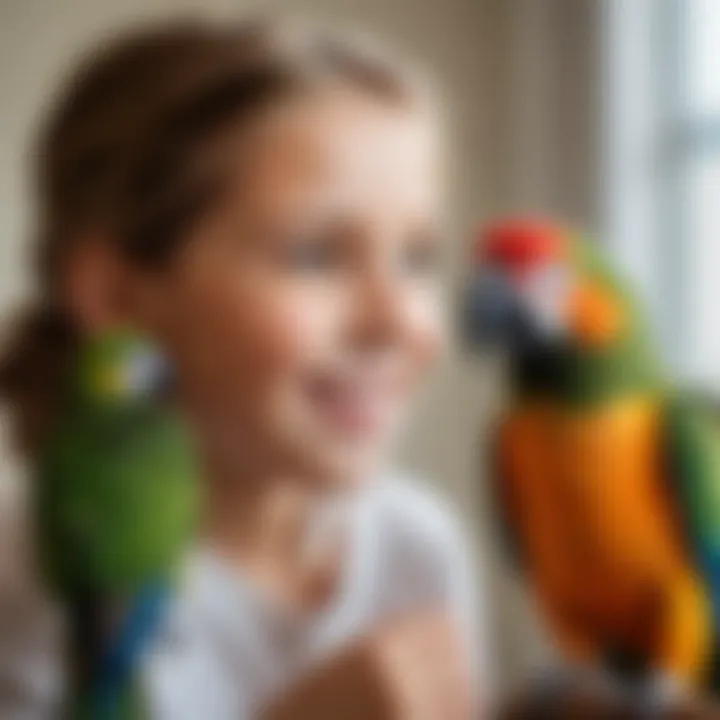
(411,669)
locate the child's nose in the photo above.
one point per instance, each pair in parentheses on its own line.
(382,314)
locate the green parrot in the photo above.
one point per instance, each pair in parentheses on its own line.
(117,503)
(607,478)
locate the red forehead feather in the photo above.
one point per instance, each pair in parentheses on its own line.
(520,245)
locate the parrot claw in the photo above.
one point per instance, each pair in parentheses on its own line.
(552,686)
(660,696)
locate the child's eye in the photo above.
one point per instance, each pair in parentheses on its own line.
(312,255)
(422,256)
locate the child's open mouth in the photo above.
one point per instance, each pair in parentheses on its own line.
(361,405)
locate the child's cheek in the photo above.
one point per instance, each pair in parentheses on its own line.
(287,330)
(425,330)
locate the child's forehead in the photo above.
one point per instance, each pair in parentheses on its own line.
(338,119)
(344,147)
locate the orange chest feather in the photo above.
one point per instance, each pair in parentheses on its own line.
(585,489)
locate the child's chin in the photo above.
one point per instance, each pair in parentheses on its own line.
(345,469)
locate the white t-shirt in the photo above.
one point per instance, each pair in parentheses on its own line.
(223,651)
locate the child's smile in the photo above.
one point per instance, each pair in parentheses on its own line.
(305,307)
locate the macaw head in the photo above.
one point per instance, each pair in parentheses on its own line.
(116,480)
(117,368)
(536,286)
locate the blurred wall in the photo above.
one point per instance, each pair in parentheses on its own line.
(543,104)
(520,79)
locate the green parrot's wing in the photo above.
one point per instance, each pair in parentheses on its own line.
(116,499)
(116,503)
(692,450)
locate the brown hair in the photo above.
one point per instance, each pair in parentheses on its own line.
(121,152)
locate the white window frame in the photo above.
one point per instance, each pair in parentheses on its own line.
(649,140)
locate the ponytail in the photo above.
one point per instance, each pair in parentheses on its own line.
(32,367)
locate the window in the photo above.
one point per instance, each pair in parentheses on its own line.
(663,151)
(697,166)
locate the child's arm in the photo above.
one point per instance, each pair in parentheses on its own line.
(412,667)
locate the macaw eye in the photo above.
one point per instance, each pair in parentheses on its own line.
(545,285)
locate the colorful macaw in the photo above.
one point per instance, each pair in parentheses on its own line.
(607,478)
(116,508)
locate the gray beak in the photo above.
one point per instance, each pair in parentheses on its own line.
(493,315)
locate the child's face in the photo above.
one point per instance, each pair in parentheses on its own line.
(304,310)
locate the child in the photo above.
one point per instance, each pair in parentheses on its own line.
(280,251)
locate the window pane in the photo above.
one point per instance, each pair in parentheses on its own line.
(702,44)
(702,271)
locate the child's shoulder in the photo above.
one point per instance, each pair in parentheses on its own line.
(413,506)
(416,527)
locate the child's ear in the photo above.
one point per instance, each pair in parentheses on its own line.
(94,285)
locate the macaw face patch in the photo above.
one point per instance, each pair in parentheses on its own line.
(119,368)
(544,292)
